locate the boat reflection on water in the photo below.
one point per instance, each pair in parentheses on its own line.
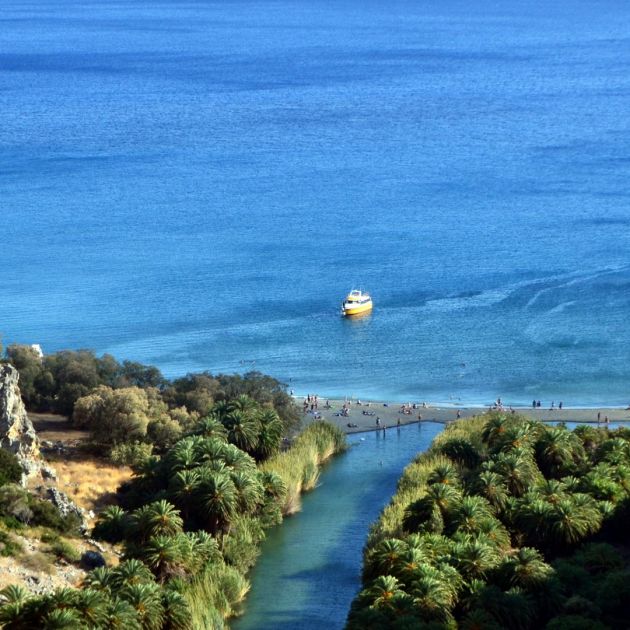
(359,318)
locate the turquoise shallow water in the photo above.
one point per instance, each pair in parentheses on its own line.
(198,184)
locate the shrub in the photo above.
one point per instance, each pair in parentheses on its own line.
(14,503)
(10,469)
(130,454)
(47,515)
(63,550)
(37,561)
(9,545)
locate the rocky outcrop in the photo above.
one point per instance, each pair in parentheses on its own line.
(67,506)
(16,430)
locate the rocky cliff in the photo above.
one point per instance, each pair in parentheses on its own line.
(16,430)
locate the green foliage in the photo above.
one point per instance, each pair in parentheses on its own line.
(9,545)
(193,517)
(471,535)
(64,550)
(133,454)
(10,469)
(17,503)
(56,383)
(298,467)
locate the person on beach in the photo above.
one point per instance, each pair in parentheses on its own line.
(599,417)
(378,421)
(533,404)
(606,421)
(553,404)
(459,414)
(560,405)
(398,421)
(419,416)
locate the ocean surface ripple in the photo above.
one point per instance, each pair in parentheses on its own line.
(197,185)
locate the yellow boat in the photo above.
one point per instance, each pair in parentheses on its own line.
(356,303)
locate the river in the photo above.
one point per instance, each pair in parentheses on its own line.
(309,569)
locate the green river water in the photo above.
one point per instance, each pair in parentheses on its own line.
(309,569)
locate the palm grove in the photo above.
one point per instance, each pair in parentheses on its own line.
(209,479)
(504,523)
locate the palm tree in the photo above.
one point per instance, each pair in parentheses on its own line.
(381,559)
(526,569)
(183,487)
(112,524)
(423,515)
(13,599)
(205,549)
(243,404)
(166,556)
(14,594)
(249,491)
(474,559)
(433,596)
(211,427)
(210,450)
(571,484)
(532,515)
(269,435)
(183,455)
(461,451)
(518,470)
(494,429)
(479,619)
(492,486)
(236,459)
(146,600)
(468,514)
(101,579)
(273,484)
(435,546)
(444,473)
(131,572)
(550,490)
(62,619)
(92,607)
(121,615)
(62,598)
(218,497)
(559,453)
(512,609)
(492,531)
(159,517)
(384,592)
(177,615)
(518,437)
(243,430)
(428,513)
(408,563)
(573,519)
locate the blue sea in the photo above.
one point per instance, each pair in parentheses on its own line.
(198,184)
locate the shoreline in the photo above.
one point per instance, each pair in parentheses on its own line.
(389,414)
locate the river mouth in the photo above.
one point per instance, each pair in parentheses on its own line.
(310,566)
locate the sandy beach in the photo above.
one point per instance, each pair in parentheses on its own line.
(362,415)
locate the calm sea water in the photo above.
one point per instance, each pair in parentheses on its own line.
(197,185)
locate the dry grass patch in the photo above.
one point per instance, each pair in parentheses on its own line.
(90,482)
